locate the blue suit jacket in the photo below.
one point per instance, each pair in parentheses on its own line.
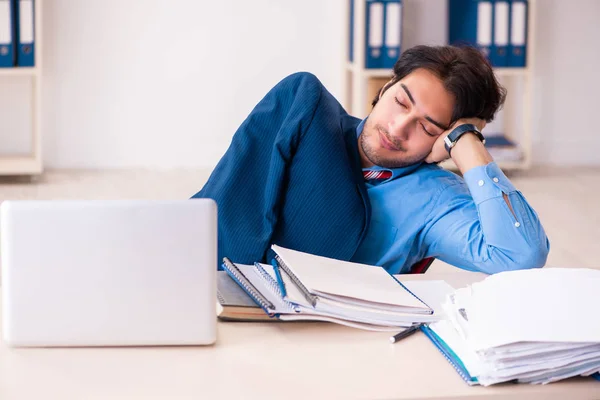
(291,176)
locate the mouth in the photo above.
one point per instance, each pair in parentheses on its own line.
(385,142)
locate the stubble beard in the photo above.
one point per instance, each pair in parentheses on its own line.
(400,160)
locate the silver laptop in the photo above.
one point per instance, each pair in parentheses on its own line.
(108,273)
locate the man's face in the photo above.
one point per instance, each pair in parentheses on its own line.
(406,121)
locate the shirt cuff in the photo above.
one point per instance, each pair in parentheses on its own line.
(487,182)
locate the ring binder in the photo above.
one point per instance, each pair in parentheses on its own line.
(236,275)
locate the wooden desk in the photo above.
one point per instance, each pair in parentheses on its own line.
(263,360)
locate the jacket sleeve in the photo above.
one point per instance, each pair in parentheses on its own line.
(249,181)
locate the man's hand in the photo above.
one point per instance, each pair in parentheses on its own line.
(439,152)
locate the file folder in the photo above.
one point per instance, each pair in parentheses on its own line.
(374,34)
(393,33)
(26,34)
(518,34)
(471,22)
(499,51)
(7,33)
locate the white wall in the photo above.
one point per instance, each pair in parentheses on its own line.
(567,85)
(155,84)
(147,83)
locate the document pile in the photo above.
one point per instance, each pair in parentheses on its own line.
(531,326)
(299,286)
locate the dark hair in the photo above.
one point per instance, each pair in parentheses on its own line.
(465,72)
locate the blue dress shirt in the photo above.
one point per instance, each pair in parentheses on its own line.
(426,211)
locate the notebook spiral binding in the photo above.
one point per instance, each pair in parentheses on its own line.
(274,286)
(220,297)
(461,371)
(312,299)
(236,274)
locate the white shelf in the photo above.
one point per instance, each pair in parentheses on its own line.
(20,165)
(362,84)
(29,164)
(386,73)
(370,73)
(19,71)
(512,71)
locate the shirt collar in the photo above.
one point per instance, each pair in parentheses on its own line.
(396,172)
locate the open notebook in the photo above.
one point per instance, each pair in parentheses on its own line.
(302,286)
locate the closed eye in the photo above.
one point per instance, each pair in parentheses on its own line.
(427,132)
(398,102)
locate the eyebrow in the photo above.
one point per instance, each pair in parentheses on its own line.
(427,117)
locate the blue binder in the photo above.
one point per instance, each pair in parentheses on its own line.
(501,28)
(392,28)
(517,54)
(7,33)
(374,45)
(26,33)
(471,22)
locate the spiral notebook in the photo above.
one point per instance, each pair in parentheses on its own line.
(344,282)
(235,304)
(452,356)
(289,290)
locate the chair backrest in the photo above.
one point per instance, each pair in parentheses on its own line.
(421,266)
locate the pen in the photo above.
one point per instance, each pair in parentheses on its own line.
(279,278)
(405,333)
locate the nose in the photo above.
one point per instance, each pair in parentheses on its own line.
(399,128)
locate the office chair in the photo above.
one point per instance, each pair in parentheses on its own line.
(421,266)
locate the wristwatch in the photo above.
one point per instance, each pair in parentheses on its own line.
(452,138)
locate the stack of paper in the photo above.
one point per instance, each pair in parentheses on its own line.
(534,326)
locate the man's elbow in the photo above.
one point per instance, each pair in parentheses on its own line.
(534,257)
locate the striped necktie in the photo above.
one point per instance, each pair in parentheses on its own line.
(378,175)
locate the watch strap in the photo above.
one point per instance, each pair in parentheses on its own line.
(456,133)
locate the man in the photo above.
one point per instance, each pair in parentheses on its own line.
(302,173)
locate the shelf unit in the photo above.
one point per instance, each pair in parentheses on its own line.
(30,164)
(360,85)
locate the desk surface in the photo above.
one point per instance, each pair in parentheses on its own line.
(263,360)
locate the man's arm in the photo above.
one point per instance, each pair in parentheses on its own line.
(469,152)
(490,227)
(249,181)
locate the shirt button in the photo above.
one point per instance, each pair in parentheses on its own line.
(517,224)
(496,180)
(481,182)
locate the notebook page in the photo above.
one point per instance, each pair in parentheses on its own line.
(352,324)
(509,370)
(343,278)
(433,293)
(542,352)
(372,314)
(229,293)
(540,305)
(452,338)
